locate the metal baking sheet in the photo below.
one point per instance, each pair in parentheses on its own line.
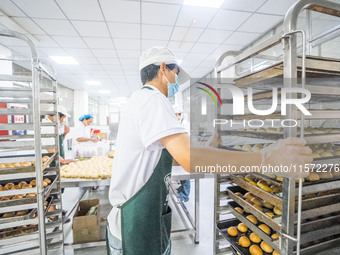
(266,196)
(254,227)
(310,138)
(71,182)
(322,160)
(8,159)
(25,203)
(22,220)
(223,228)
(274,223)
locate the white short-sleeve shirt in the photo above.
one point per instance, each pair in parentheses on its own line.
(47,130)
(146,119)
(82,131)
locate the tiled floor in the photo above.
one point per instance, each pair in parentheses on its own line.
(182,245)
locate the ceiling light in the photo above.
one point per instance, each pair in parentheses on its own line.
(64,60)
(94,83)
(104,91)
(204,3)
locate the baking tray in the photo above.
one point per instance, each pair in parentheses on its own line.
(25,230)
(274,136)
(274,199)
(223,228)
(19,202)
(254,227)
(324,184)
(21,156)
(314,209)
(274,223)
(325,160)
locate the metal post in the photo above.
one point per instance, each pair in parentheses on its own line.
(38,162)
(309,31)
(288,201)
(197,210)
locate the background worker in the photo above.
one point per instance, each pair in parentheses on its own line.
(83,132)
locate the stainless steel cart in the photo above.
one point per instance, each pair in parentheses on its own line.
(34,222)
(294,69)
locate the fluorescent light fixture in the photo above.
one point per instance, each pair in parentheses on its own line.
(204,3)
(104,91)
(179,61)
(94,83)
(64,60)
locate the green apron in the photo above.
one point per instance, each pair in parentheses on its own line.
(146,217)
(61,146)
(61,150)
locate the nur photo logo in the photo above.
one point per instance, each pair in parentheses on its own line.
(278,104)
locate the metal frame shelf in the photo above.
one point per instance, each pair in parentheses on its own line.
(40,229)
(292,70)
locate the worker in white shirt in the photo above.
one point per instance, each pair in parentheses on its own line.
(149,137)
(83,133)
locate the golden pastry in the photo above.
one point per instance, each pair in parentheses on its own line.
(252,219)
(255,250)
(266,248)
(249,178)
(275,189)
(232,231)
(249,201)
(248,195)
(244,241)
(263,185)
(255,238)
(252,182)
(21,213)
(267,205)
(275,236)
(9,185)
(27,186)
(280,178)
(239,210)
(269,214)
(256,201)
(21,184)
(239,195)
(242,227)
(277,211)
(258,207)
(325,175)
(17,197)
(48,181)
(275,253)
(265,228)
(313,177)
(8,215)
(33,183)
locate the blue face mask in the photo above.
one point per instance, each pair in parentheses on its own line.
(172,87)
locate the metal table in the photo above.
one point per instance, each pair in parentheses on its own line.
(178,173)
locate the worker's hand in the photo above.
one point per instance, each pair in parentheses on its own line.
(66,129)
(289,154)
(66,161)
(213,141)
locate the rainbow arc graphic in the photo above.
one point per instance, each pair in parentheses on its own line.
(209,93)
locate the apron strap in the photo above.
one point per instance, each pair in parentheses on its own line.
(146,87)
